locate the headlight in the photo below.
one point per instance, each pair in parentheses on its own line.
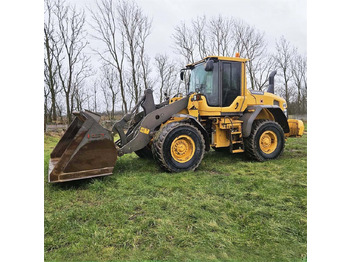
(284,105)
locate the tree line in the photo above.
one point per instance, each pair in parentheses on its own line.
(118,33)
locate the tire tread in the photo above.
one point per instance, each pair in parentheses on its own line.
(250,147)
(157,146)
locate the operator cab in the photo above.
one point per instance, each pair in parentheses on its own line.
(219,79)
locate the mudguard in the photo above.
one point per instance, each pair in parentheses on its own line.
(253,111)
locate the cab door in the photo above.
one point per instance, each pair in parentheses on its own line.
(231,86)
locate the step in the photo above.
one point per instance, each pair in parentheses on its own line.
(238,151)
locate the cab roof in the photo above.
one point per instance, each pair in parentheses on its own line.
(221,58)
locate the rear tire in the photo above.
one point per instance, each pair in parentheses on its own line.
(178,147)
(266,141)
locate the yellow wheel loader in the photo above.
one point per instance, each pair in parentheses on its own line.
(217,112)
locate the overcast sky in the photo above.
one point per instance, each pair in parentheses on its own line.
(274,17)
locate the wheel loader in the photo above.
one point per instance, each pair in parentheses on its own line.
(217,111)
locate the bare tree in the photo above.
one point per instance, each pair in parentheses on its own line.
(107,30)
(166,74)
(50,67)
(195,41)
(73,64)
(129,15)
(144,31)
(135,27)
(81,97)
(250,43)
(146,71)
(304,90)
(200,35)
(283,59)
(131,89)
(94,96)
(184,42)
(123,28)
(263,66)
(46,98)
(161,63)
(109,84)
(106,97)
(298,68)
(223,36)
(220,35)
(297,75)
(204,37)
(59,107)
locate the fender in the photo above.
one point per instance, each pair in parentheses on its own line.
(249,117)
(194,121)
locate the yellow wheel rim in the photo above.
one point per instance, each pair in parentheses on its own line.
(268,142)
(182,148)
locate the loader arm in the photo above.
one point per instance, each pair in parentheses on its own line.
(147,103)
(145,128)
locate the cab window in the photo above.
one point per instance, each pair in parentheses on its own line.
(231,82)
(206,83)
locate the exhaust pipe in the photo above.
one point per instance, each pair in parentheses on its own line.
(271,88)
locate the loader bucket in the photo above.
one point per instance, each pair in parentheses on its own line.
(85,150)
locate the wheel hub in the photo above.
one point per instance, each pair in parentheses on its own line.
(268,142)
(182,148)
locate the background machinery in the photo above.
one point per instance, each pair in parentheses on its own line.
(217,112)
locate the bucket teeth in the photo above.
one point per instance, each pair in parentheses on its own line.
(85,150)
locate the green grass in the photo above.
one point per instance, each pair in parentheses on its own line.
(230,209)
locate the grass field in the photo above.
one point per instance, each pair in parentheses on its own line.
(230,209)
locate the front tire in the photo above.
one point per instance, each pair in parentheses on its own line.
(178,147)
(266,141)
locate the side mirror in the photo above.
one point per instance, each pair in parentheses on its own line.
(209,65)
(182,75)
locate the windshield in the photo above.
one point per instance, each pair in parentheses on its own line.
(205,82)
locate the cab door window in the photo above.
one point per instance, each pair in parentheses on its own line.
(231,82)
